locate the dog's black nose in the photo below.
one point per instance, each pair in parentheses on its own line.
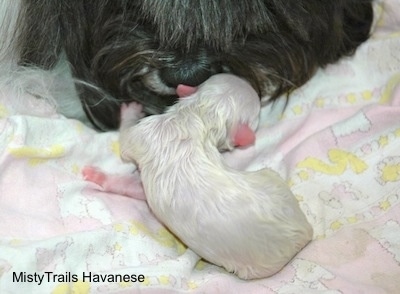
(188,72)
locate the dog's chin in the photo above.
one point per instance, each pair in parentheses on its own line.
(151,77)
(156,93)
(153,99)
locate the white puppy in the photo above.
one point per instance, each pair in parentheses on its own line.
(248,222)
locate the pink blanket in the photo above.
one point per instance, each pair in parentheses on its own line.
(337,143)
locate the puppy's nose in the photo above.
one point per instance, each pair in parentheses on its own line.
(188,72)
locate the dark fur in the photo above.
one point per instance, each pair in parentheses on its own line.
(120,47)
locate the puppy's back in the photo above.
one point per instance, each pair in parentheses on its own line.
(248,222)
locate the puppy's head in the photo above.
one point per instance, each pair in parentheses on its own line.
(229,108)
(223,110)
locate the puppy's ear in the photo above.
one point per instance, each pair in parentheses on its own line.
(184,90)
(243,136)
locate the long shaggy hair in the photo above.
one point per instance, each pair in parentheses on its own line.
(122,50)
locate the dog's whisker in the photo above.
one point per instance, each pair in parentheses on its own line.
(132,58)
(153,81)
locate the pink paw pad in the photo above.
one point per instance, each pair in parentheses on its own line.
(132,110)
(92,174)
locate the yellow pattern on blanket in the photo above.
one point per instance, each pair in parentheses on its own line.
(340,161)
(36,155)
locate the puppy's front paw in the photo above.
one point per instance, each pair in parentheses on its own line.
(133,110)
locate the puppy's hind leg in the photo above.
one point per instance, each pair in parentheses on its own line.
(127,185)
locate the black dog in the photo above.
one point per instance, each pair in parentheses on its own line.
(124,50)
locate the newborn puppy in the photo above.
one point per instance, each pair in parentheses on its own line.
(247,222)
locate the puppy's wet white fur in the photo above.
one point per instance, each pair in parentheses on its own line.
(247,222)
